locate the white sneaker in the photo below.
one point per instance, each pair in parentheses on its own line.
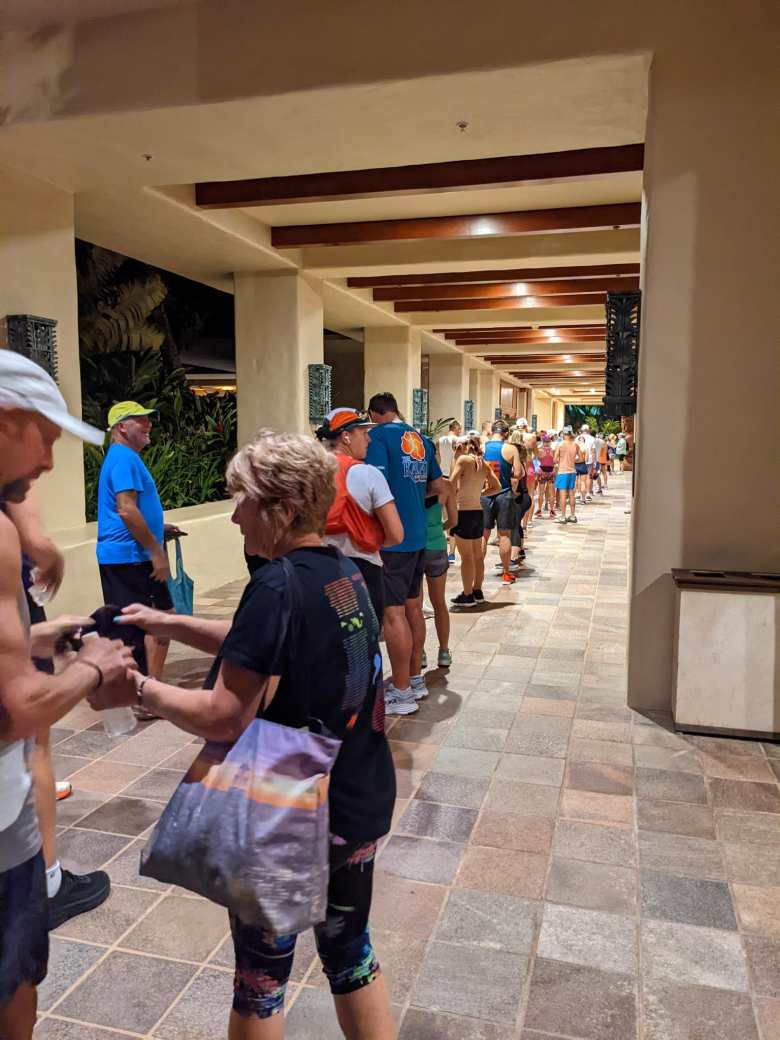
(514,565)
(418,687)
(399,702)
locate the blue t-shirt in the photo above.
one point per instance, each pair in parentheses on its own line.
(408,461)
(123,470)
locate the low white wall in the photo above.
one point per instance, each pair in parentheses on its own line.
(213,555)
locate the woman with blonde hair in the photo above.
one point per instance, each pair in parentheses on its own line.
(469,476)
(301,651)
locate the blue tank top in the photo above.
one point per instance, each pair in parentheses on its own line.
(497,462)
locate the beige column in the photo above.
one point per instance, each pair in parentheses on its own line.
(487,399)
(391,358)
(279,333)
(708,359)
(38,276)
(448,387)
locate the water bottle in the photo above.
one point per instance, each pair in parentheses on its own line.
(116,721)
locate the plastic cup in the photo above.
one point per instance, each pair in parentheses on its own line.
(118,721)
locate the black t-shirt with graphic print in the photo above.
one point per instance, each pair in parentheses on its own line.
(330,648)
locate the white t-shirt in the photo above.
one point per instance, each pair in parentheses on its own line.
(598,444)
(369,488)
(446,452)
(586,442)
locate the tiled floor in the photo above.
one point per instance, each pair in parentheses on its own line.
(560,866)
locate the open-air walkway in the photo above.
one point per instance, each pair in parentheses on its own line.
(560,866)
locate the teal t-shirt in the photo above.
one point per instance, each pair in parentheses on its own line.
(123,470)
(408,462)
(436,540)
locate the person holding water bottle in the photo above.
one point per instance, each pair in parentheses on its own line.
(33,414)
(131,537)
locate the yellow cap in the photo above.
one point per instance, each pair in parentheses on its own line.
(127,410)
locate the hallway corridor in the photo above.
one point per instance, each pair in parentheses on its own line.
(559,867)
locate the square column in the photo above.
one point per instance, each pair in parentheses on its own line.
(391,358)
(708,357)
(38,276)
(448,386)
(487,396)
(279,333)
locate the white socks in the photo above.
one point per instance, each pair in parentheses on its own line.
(53,880)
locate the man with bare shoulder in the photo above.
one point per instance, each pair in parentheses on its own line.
(499,509)
(32,417)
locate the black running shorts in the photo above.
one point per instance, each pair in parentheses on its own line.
(499,511)
(24,926)
(403,572)
(470,524)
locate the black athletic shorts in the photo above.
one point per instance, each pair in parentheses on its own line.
(470,524)
(403,573)
(581,469)
(372,575)
(126,583)
(24,926)
(499,511)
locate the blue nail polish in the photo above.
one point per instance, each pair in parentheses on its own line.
(118,617)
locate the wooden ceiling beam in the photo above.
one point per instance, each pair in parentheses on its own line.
(491,290)
(491,345)
(553,359)
(509,303)
(471,225)
(515,274)
(421,178)
(520,328)
(570,337)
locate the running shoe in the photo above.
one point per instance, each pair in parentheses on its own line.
(521,554)
(538,514)
(424,661)
(78,893)
(445,658)
(514,565)
(451,558)
(572,520)
(552,514)
(419,689)
(508,579)
(478,595)
(463,601)
(63,789)
(562,520)
(589,498)
(399,702)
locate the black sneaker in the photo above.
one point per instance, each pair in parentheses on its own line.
(78,893)
(478,595)
(463,601)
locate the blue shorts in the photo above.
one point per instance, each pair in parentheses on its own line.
(565,481)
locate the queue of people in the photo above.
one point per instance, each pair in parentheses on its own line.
(339,531)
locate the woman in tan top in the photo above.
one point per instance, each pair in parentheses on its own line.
(470,475)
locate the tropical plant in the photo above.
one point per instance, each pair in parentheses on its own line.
(436,428)
(116,314)
(129,351)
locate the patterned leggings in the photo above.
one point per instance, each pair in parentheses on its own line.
(264,962)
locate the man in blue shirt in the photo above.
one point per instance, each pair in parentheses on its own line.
(409,464)
(131,552)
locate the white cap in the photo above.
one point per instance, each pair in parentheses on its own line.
(522,422)
(584,427)
(25,385)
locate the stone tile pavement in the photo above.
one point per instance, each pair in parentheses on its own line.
(559,866)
